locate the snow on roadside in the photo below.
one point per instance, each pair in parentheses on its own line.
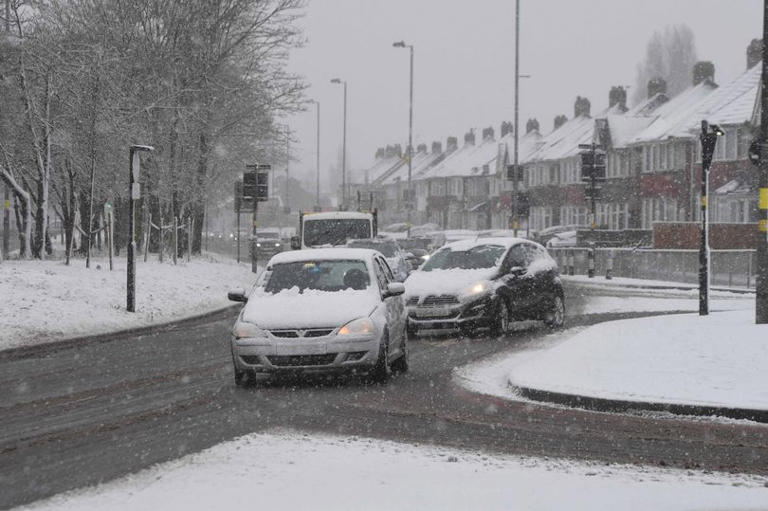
(290,470)
(716,360)
(45,301)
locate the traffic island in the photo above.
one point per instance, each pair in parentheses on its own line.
(683,364)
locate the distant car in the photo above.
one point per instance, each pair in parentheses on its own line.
(416,257)
(483,284)
(563,239)
(321,310)
(390,250)
(267,243)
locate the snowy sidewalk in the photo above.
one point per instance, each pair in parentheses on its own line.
(286,470)
(656,285)
(713,362)
(46,301)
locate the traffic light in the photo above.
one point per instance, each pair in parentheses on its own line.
(593,166)
(523,205)
(256,182)
(511,172)
(590,193)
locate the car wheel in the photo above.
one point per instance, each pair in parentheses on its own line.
(382,371)
(243,378)
(556,316)
(401,364)
(500,319)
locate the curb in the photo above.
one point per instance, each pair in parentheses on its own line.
(618,405)
(47,348)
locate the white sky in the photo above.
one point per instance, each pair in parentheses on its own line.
(464,63)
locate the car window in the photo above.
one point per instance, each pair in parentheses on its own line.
(334,275)
(517,256)
(480,256)
(387,270)
(381,275)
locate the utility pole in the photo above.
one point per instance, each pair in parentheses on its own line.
(761,287)
(515,205)
(317,147)
(409,191)
(288,169)
(343,205)
(135,193)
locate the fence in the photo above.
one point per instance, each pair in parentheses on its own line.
(732,268)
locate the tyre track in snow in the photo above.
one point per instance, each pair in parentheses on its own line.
(87,414)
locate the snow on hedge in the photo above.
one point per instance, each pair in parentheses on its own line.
(45,301)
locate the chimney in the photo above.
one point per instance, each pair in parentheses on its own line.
(560,120)
(704,70)
(488,134)
(581,107)
(618,96)
(656,85)
(437,148)
(507,128)
(421,148)
(380,153)
(754,53)
(469,138)
(452,144)
(531,125)
(398,150)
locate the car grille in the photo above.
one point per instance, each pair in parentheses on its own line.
(297,334)
(302,360)
(431,301)
(414,300)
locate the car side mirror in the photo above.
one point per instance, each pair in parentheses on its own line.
(394,289)
(237,295)
(295,243)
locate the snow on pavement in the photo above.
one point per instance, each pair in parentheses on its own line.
(716,360)
(291,470)
(44,301)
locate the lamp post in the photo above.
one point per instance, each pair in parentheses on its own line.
(761,286)
(409,199)
(317,156)
(135,193)
(708,137)
(343,148)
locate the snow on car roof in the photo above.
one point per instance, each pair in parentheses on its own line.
(336,215)
(317,254)
(463,245)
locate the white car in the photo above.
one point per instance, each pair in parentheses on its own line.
(391,251)
(322,310)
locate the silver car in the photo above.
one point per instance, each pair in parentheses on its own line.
(321,310)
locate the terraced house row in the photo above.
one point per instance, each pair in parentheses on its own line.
(653,163)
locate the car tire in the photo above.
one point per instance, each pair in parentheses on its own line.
(556,316)
(401,364)
(500,319)
(382,371)
(243,378)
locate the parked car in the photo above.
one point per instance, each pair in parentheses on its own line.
(483,284)
(321,310)
(390,250)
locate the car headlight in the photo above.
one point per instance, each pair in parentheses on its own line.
(245,330)
(277,244)
(477,289)
(360,326)
(258,244)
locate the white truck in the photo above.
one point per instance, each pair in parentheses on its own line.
(333,228)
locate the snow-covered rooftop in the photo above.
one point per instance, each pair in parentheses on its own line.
(564,141)
(322,254)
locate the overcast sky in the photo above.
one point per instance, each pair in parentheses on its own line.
(464,63)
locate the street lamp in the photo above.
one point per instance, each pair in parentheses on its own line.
(409,199)
(708,137)
(135,193)
(317,144)
(343,148)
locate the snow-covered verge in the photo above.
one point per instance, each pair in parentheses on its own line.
(716,360)
(288,470)
(626,282)
(45,301)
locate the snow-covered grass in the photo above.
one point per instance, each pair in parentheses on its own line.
(620,282)
(288,470)
(44,301)
(716,360)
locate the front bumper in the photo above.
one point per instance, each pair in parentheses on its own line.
(450,319)
(330,354)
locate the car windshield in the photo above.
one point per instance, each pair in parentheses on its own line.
(336,275)
(335,231)
(480,256)
(387,249)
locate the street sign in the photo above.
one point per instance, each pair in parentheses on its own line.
(135,191)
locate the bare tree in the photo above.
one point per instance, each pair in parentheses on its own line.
(670,54)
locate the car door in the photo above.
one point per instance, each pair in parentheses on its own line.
(517,281)
(545,272)
(395,305)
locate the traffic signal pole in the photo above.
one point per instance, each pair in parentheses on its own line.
(761,300)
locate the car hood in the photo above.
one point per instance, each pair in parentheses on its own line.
(444,282)
(310,309)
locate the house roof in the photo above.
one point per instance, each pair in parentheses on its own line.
(564,141)
(732,103)
(422,160)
